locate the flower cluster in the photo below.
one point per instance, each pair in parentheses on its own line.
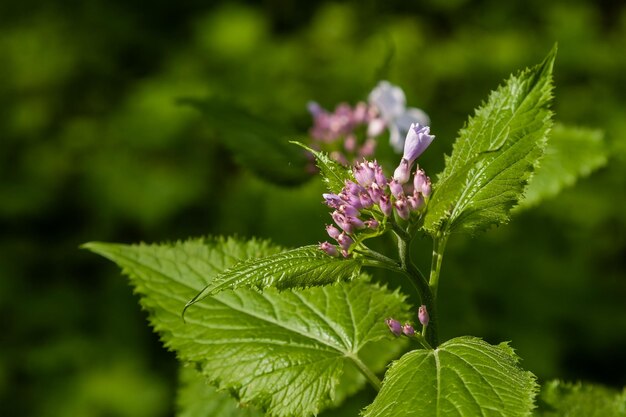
(337,132)
(407,329)
(368,202)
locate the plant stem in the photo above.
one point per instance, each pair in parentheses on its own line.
(439,245)
(423,288)
(367,372)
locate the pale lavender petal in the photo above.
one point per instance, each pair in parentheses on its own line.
(389,99)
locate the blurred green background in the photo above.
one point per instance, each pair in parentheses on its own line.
(95,144)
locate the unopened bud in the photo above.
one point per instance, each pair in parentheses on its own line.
(416,201)
(345,241)
(408,330)
(332,231)
(376,192)
(402,208)
(394,326)
(385,205)
(396,188)
(422,315)
(421,183)
(372,223)
(403,172)
(366,200)
(329,249)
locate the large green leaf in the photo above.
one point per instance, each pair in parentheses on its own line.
(196,398)
(494,155)
(572,153)
(303,267)
(462,377)
(333,173)
(562,399)
(258,143)
(283,352)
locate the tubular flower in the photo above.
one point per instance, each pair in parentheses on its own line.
(417,140)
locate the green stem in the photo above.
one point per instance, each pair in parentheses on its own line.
(439,245)
(367,372)
(422,286)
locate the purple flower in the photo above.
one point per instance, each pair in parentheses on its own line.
(329,249)
(416,201)
(332,200)
(402,208)
(344,241)
(394,326)
(391,103)
(396,188)
(364,173)
(348,210)
(423,316)
(385,205)
(376,192)
(421,183)
(366,200)
(372,223)
(332,231)
(417,140)
(408,330)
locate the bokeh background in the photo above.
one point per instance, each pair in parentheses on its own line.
(98,142)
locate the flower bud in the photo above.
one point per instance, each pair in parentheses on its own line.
(408,330)
(332,200)
(402,172)
(342,222)
(402,208)
(348,210)
(422,315)
(396,188)
(421,183)
(332,231)
(355,222)
(366,200)
(372,223)
(344,241)
(394,326)
(345,253)
(385,205)
(329,249)
(415,201)
(376,192)
(364,174)
(379,176)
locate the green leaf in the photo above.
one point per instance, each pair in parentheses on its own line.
(561,399)
(333,173)
(572,153)
(303,267)
(281,352)
(258,143)
(196,398)
(495,155)
(462,377)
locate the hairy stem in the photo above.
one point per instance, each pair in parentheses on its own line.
(423,288)
(367,372)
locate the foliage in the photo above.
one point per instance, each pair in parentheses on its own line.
(94,145)
(284,353)
(495,155)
